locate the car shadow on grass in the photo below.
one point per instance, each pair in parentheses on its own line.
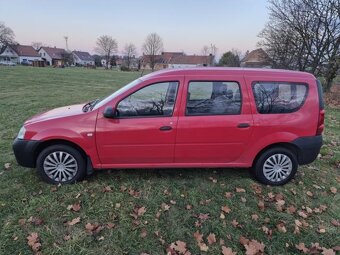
(171,173)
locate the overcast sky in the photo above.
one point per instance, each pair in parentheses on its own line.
(184,25)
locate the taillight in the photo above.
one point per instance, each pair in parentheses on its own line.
(321,122)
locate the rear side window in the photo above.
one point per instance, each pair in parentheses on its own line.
(279,97)
(213,98)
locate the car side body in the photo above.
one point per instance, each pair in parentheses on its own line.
(207,117)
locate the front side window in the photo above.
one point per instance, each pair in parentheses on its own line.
(213,98)
(156,100)
(279,97)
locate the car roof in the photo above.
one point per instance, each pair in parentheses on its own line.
(227,71)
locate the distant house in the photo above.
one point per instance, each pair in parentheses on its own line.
(82,58)
(257,58)
(176,60)
(52,56)
(19,54)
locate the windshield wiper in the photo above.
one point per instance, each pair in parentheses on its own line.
(90,105)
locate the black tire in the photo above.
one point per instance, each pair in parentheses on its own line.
(78,167)
(259,171)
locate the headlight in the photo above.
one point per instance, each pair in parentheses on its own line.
(21,133)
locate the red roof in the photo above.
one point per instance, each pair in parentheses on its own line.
(179,58)
(55,53)
(25,50)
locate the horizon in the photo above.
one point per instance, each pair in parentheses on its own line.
(180,26)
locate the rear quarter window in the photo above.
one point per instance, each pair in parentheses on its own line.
(279,97)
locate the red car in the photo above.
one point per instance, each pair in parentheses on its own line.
(268,120)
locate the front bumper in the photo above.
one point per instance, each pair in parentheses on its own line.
(25,152)
(308,148)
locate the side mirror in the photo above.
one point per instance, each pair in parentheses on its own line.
(109,112)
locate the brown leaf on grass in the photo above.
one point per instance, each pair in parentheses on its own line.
(203,217)
(33,241)
(22,222)
(281,227)
(257,188)
(67,237)
(198,236)
(123,188)
(333,190)
(254,247)
(301,247)
(240,190)
(73,222)
(35,221)
(7,166)
(211,238)
(110,225)
(291,209)
(227,251)
(165,207)
(261,205)
(321,229)
(205,202)
(228,194)
(255,217)
(180,247)
(203,246)
(267,231)
(188,207)
(243,199)
(143,233)
(226,209)
(310,194)
(54,189)
(173,202)
(134,193)
(74,207)
(93,228)
(243,240)
(138,211)
(335,223)
(328,251)
(279,197)
(302,214)
(234,223)
(107,189)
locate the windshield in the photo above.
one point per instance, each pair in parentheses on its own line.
(117,93)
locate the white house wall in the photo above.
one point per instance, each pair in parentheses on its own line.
(43,54)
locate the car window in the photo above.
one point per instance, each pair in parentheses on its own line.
(151,101)
(279,97)
(213,98)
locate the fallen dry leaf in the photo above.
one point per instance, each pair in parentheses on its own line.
(7,166)
(165,207)
(227,251)
(333,190)
(33,241)
(254,247)
(281,227)
(310,194)
(228,194)
(328,251)
(255,217)
(73,222)
(302,214)
(211,238)
(179,246)
(240,190)
(302,247)
(261,205)
(74,207)
(335,223)
(107,189)
(226,209)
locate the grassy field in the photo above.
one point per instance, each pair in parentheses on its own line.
(197,211)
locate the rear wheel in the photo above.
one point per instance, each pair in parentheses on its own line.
(61,164)
(276,166)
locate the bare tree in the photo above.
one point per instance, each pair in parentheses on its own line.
(152,47)
(205,50)
(130,51)
(6,36)
(36,45)
(211,52)
(106,46)
(304,35)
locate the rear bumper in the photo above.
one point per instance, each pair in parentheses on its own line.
(308,148)
(25,152)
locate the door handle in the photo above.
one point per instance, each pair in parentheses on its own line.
(165,128)
(243,125)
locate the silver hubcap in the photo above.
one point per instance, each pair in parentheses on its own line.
(60,166)
(277,167)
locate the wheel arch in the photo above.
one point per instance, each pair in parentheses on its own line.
(289,146)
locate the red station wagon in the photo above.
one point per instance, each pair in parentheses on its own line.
(268,120)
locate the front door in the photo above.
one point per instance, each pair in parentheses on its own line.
(215,122)
(144,128)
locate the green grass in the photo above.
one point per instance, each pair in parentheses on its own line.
(26,91)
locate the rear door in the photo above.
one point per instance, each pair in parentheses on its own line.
(215,121)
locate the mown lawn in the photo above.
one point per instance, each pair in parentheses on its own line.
(147,211)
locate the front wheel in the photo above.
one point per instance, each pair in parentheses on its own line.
(276,166)
(61,164)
